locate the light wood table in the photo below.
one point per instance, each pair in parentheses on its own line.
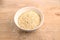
(50,30)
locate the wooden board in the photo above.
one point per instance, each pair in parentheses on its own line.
(50,30)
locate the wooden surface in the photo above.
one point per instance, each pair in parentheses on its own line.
(50,30)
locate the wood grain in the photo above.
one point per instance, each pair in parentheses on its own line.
(50,30)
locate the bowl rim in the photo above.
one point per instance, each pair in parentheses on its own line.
(19,12)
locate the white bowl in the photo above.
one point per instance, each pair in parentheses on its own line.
(24,9)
